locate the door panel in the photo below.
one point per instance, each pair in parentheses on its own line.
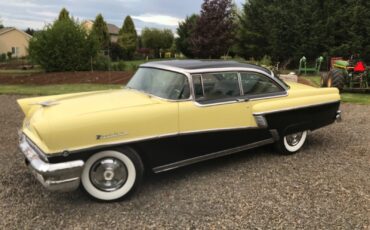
(208,129)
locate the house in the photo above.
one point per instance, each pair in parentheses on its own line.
(15,41)
(113,30)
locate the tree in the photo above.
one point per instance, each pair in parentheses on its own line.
(287,30)
(63,46)
(184,32)
(63,15)
(214,30)
(157,39)
(128,39)
(100,32)
(30,31)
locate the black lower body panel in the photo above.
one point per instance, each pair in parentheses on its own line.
(185,146)
(308,118)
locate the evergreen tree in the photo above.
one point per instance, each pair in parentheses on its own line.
(213,34)
(184,32)
(100,32)
(63,15)
(128,39)
(287,30)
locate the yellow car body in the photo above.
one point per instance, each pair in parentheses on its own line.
(168,133)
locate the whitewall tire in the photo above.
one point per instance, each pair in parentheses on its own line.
(110,175)
(292,143)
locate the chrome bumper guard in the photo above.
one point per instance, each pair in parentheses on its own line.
(55,177)
(338,116)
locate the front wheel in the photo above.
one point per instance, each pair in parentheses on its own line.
(291,143)
(111,175)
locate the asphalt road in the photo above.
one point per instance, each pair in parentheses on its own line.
(325,186)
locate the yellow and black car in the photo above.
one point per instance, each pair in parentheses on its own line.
(170,114)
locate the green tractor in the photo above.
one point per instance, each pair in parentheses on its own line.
(350,76)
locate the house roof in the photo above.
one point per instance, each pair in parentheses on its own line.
(112,29)
(8,29)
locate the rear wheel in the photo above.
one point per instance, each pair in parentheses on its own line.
(291,143)
(111,175)
(335,79)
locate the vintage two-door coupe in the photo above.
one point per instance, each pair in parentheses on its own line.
(170,114)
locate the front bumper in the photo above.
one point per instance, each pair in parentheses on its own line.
(55,177)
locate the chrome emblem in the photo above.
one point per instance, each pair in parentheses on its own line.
(111,135)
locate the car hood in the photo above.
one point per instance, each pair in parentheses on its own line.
(54,121)
(84,103)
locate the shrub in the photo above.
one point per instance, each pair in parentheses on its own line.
(3,57)
(134,67)
(9,54)
(63,46)
(266,61)
(121,66)
(102,62)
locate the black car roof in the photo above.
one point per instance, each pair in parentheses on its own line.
(205,64)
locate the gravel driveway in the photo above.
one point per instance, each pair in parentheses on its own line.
(326,185)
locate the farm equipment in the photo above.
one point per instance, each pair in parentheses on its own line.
(304,69)
(352,75)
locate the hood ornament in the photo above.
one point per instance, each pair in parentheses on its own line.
(46,103)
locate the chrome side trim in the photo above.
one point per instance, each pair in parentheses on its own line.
(105,145)
(261,121)
(294,107)
(216,130)
(211,156)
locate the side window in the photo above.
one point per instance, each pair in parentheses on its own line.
(214,86)
(256,83)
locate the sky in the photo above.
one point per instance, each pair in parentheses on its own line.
(145,13)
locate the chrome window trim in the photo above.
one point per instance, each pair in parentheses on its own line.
(231,101)
(294,107)
(190,72)
(202,83)
(240,84)
(269,97)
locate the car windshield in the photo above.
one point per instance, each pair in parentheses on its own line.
(160,83)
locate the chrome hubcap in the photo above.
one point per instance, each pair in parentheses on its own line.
(293,139)
(108,174)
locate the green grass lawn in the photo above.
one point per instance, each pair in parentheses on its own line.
(357,98)
(53,89)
